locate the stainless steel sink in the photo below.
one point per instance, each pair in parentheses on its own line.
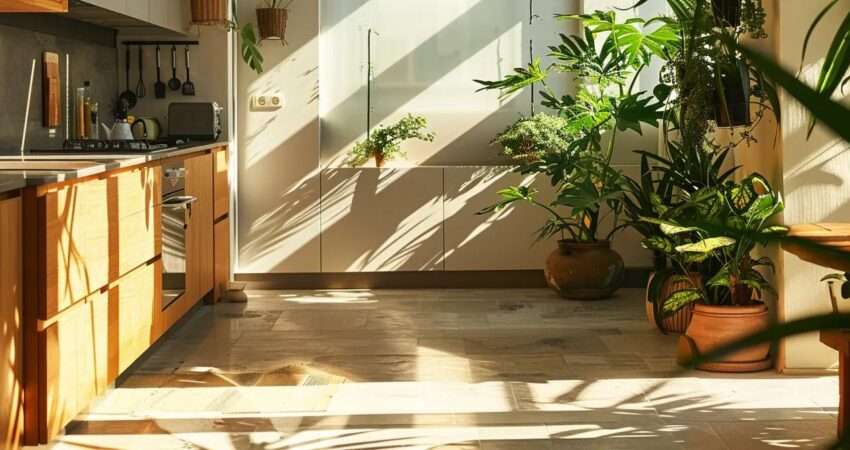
(48,165)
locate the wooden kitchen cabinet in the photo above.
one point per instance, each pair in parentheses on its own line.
(199,235)
(221,184)
(222,257)
(95,232)
(91,343)
(34,6)
(11,333)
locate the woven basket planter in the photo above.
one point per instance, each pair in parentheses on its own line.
(679,321)
(209,12)
(271,23)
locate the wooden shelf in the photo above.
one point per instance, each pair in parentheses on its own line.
(836,236)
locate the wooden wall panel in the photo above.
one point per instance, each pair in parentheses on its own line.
(11,319)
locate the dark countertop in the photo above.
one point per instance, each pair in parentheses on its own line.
(79,165)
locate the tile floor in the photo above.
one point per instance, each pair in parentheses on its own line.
(437,369)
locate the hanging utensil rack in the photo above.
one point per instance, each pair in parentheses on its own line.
(161,43)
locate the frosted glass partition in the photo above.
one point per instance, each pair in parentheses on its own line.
(425,56)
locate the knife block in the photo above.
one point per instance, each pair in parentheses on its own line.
(50,90)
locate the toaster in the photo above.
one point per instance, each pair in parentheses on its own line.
(195,121)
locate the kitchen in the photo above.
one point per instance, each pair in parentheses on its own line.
(204,246)
(115,194)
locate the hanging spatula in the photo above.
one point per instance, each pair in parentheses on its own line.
(188,86)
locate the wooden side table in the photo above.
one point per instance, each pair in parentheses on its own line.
(837,236)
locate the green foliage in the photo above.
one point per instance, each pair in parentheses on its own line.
(532,137)
(250,52)
(385,142)
(605,60)
(722,225)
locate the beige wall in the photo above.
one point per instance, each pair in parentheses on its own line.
(815,174)
(296,215)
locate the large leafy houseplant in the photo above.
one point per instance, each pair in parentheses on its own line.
(605,61)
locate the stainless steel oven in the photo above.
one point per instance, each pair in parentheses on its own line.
(176,210)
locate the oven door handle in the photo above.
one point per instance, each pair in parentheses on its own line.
(179,202)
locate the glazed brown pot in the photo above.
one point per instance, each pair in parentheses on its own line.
(584,270)
(677,322)
(271,23)
(209,12)
(716,326)
(380,160)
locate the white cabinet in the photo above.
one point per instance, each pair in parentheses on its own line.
(382,220)
(171,15)
(138,10)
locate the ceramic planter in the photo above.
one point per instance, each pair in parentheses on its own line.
(715,326)
(380,160)
(209,12)
(584,270)
(677,322)
(271,23)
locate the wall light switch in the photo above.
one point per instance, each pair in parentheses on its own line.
(268,102)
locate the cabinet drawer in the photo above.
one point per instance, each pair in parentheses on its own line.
(76,362)
(91,343)
(221,184)
(95,232)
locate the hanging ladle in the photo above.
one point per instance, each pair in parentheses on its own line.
(127,97)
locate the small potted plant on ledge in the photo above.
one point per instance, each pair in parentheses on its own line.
(723,225)
(271,20)
(529,138)
(385,143)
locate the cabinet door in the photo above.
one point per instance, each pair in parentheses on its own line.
(199,232)
(221,184)
(138,10)
(34,6)
(11,352)
(222,257)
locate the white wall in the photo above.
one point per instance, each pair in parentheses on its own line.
(815,177)
(298,211)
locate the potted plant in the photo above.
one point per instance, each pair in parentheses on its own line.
(209,12)
(529,138)
(271,20)
(588,187)
(385,143)
(723,224)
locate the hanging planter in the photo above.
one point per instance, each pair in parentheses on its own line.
(732,96)
(209,12)
(728,11)
(272,23)
(271,20)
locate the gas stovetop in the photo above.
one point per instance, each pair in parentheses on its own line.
(106,146)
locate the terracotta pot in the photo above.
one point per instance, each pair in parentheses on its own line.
(271,23)
(209,12)
(716,326)
(380,160)
(584,270)
(677,322)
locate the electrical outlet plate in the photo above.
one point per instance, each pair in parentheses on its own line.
(266,102)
